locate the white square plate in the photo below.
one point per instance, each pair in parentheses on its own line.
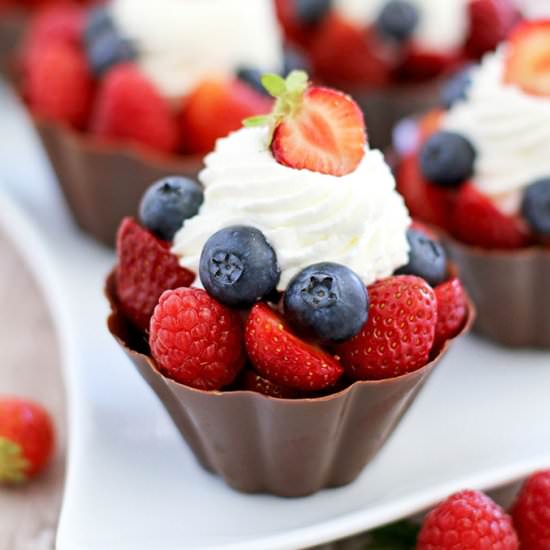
(482,420)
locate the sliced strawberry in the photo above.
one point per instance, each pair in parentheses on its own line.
(215,108)
(430,123)
(475,220)
(280,356)
(452,309)
(342,53)
(254,382)
(528,57)
(146,268)
(427,202)
(130,108)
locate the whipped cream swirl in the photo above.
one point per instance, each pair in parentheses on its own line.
(181,42)
(442,27)
(357,220)
(510,130)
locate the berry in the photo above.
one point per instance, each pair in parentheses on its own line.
(468,520)
(280,356)
(475,220)
(314,128)
(344,53)
(456,88)
(216,108)
(168,203)
(107,50)
(427,259)
(397,20)
(327,301)
(531,512)
(490,21)
(130,108)
(27,439)
(98,22)
(527,57)
(254,382)
(238,266)
(58,85)
(294,61)
(452,310)
(427,202)
(195,340)
(146,268)
(312,12)
(399,333)
(252,77)
(536,207)
(447,159)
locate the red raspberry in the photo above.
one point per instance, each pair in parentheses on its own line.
(531,512)
(476,221)
(58,84)
(399,334)
(146,268)
(468,520)
(195,340)
(129,107)
(27,439)
(452,309)
(280,356)
(254,382)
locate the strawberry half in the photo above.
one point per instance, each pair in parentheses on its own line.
(281,357)
(313,128)
(528,57)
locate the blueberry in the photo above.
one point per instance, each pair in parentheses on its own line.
(311,12)
(107,50)
(427,258)
(238,266)
(294,61)
(252,77)
(168,203)
(327,301)
(98,22)
(447,159)
(397,20)
(536,206)
(456,88)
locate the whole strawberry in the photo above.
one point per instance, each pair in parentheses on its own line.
(280,356)
(531,512)
(399,333)
(468,520)
(26,439)
(195,340)
(452,310)
(146,268)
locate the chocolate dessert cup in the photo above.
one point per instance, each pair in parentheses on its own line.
(104,182)
(510,291)
(12,29)
(285,447)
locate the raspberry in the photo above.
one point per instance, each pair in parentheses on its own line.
(531,512)
(468,520)
(195,340)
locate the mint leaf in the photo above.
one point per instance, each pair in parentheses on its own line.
(398,536)
(274,84)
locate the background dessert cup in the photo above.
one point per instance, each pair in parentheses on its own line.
(261,444)
(12,29)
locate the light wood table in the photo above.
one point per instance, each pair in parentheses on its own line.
(30,366)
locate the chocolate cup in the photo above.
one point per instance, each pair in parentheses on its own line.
(285,447)
(104,182)
(12,30)
(510,291)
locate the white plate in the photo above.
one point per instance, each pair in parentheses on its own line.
(482,421)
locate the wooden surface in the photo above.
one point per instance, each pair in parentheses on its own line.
(30,367)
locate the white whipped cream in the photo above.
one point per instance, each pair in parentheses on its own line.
(533,9)
(183,41)
(510,130)
(442,27)
(357,220)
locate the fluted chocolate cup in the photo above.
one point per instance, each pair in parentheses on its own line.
(104,182)
(12,29)
(286,447)
(510,290)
